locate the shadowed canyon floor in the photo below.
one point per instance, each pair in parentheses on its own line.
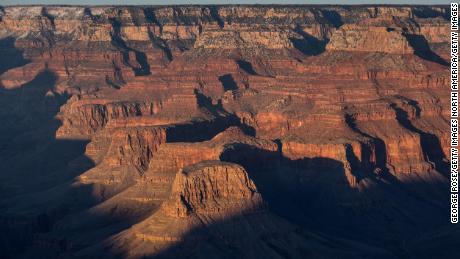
(225,132)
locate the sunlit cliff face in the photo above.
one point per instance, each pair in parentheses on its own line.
(224,132)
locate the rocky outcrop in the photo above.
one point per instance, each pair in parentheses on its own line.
(87,116)
(215,199)
(210,190)
(213,188)
(370,39)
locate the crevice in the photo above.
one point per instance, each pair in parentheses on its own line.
(430,144)
(150,16)
(379,144)
(94,18)
(206,102)
(355,164)
(118,42)
(228,83)
(117,74)
(333,17)
(423,50)
(308,45)
(87,12)
(158,42)
(214,10)
(246,67)
(48,16)
(111,83)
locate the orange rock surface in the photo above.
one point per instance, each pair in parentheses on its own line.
(225,132)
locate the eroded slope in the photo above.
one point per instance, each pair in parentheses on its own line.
(224,131)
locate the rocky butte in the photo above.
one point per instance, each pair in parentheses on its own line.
(225,132)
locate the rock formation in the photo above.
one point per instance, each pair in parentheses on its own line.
(224,131)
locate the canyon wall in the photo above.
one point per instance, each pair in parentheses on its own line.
(224,131)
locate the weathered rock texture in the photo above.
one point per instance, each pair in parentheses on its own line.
(224,132)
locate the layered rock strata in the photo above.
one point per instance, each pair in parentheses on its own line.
(224,131)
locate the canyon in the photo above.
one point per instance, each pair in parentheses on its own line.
(231,131)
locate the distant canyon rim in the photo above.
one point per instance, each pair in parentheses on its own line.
(227,131)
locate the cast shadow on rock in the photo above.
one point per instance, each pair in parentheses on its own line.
(202,130)
(228,83)
(246,66)
(430,143)
(315,193)
(141,57)
(314,196)
(308,44)
(428,12)
(423,50)
(36,167)
(333,17)
(11,56)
